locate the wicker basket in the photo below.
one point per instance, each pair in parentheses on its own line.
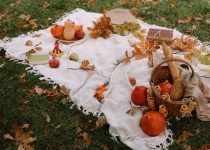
(161,74)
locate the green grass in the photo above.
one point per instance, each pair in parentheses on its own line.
(13,91)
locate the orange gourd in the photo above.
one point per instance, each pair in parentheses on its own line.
(57,31)
(152,123)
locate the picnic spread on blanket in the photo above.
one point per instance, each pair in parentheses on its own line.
(133,74)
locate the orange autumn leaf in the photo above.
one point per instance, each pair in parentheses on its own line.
(184,43)
(24,139)
(86,138)
(99,93)
(126,59)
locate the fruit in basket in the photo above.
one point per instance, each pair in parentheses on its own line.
(54,63)
(139,95)
(152,123)
(74,57)
(69,32)
(57,31)
(79,34)
(165,87)
(78,28)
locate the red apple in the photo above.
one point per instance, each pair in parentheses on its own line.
(79,34)
(54,63)
(165,87)
(57,31)
(139,95)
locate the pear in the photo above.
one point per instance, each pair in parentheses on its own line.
(69,31)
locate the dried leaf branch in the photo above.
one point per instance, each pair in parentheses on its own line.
(184,44)
(141,50)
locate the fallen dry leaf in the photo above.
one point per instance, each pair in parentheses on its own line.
(4,13)
(24,139)
(184,43)
(185,20)
(25,17)
(8,136)
(21,26)
(205,147)
(101,122)
(47,117)
(207,21)
(37,35)
(99,92)
(183,138)
(126,59)
(86,65)
(64,101)
(58,126)
(173,4)
(25,126)
(53,94)
(32,23)
(2,65)
(198,18)
(86,138)
(49,19)
(38,48)
(22,77)
(64,90)
(90,2)
(45,5)
(46,132)
(16,3)
(39,91)
(78,128)
(140,35)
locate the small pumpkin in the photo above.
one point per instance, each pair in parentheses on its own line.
(139,95)
(57,31)
(152,123)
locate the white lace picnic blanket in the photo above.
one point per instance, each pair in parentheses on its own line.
(102,53)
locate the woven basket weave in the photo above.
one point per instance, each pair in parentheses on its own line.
(161,74)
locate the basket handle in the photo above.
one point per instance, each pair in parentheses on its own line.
(174,59)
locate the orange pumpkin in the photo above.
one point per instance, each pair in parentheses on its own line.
(139,95)
(152,123)
(57,31)
(78,28)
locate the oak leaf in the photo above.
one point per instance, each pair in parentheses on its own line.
(184,44)
(64,90)
(86,65)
